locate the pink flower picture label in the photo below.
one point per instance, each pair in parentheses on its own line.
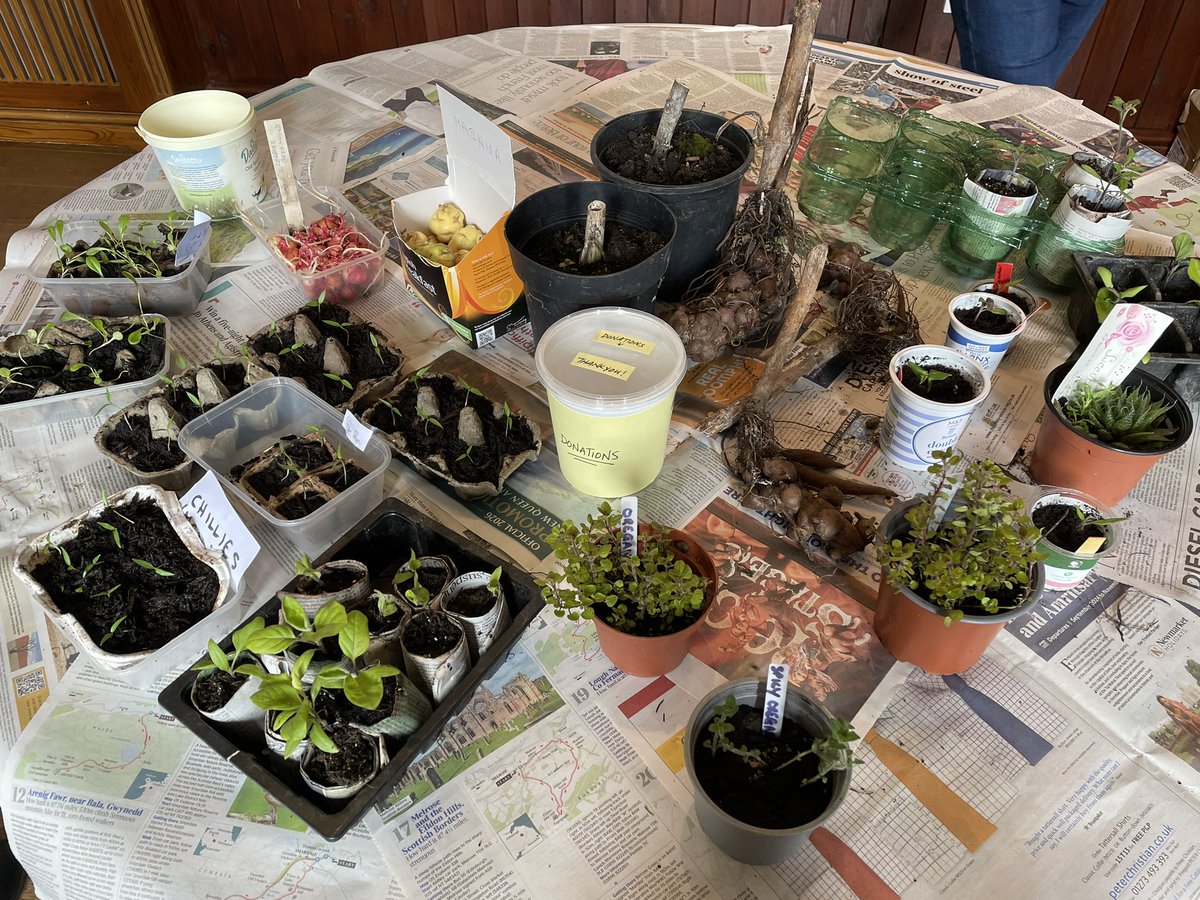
(1124,337)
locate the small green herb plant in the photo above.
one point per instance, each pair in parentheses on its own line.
(923,375)
(1117,177)
(417,595)
(1108,296)
(120,252)
(977,558)
(362,685)
(833,752)
(220,661)
(1124,418)
(650,594)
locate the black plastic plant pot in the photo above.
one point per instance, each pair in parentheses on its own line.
(703,212)
(553,294)
(393,527)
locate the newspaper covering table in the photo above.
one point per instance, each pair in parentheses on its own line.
(1063,764)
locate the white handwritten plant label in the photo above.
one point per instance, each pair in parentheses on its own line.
(776,700)
(356,432)
(219,527)
(629,526)
(1125,337)
(190,244)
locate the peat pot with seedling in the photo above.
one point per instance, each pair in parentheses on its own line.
(950,583)
(646,607)
(1103,440)
(759,795)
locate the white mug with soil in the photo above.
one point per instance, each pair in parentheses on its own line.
(983,327)
(1077,532)
(935,390)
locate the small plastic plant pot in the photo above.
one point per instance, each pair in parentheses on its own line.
(913,427)
(1067,568)
(834,175)
(1064,457)
(915,631)
(552,294)
(482,630)
(652,656)
(750,843)
(986,349)
(703,212)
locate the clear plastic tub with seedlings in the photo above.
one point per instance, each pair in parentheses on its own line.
(45,371)
(449,430)
(332,352)
(142,437)
(297,475)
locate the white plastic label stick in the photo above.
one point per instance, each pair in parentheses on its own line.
(357,433)
(629,526)
(289,193)
(776,700)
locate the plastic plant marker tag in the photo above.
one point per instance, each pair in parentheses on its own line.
(289,193)
(357,433)
(1091,545)
(629,526)
(1002,277)
(191,242)
(1124,337)
(776,699)
(219,527)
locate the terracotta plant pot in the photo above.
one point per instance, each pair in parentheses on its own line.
(750,843)
(915,631)
(1065,458)
(652,656)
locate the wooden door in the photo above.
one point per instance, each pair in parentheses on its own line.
(77,71)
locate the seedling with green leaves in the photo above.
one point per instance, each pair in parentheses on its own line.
(386,604)
(362,685)
(417,595)
(468,389)
(375,345)
(338,379)
(833,752)
(112,631)
(115,254)
(1091,517)
(285,694)
(1117,177)
(305,569)
(151,567)
(9,377)
(1108,296)
(720,728)
(493,585)
(219,661)
(428,419)
(508,418)
(112,530)
(925,376)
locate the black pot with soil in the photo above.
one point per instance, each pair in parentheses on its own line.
(545,237)
(699,179)
(449,430)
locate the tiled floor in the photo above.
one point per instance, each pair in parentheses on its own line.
(32,176)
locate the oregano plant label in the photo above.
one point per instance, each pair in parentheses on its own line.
(776,699)
(629,526)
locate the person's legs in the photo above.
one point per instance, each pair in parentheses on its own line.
(1021,41)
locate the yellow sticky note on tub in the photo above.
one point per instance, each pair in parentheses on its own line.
(604,366)
(624,341)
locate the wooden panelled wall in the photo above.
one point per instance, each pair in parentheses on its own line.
(1138,48)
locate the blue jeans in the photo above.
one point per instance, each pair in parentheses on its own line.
(1021,41)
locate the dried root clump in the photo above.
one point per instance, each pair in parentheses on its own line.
(801,487)
(744,296)
(874,316)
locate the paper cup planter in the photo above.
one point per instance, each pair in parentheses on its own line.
(915,426)
(1068,567)
(984,347)
(482,629)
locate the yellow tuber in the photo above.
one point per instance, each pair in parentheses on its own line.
(438,253)
(416,238)
(459,255)
(446,221)
(465,238)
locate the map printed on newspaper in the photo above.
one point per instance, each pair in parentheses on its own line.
(1065,761)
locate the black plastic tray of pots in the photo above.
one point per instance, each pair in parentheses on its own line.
(1177,352)
(388,534)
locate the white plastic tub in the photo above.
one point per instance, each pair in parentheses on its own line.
(178,295)
(247,424)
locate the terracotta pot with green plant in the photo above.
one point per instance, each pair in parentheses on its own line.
(1103,441)
(647,607)
(950,582)
(740,771)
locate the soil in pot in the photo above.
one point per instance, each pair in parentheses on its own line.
(1061,526)
(159,252)
(624,247)
(434,580)
(333,707)
(123,606)
(213,691)
(431,634)
(333,579)
(1007,187)
(343,477)
(954,388)
(692,159)
(354,761)
(751,792)
(377,624)
(472,602)
(131,440)
(302,504)
(986,319)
